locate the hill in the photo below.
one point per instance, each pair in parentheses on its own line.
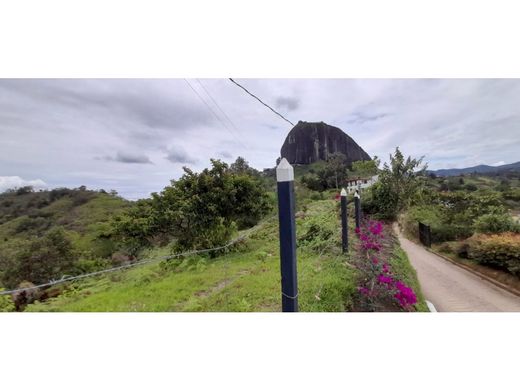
(482,169)
(79,216)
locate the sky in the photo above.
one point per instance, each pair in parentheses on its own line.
(135,135)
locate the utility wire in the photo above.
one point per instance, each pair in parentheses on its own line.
(218,106)
(257,98)
(213,112)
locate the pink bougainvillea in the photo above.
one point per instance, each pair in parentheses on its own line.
(379,284)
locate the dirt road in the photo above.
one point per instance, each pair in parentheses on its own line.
(451,288)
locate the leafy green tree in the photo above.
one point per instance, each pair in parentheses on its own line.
(43,259)
(365,168)
(199,210)
(399,183)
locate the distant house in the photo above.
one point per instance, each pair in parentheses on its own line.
(360,183)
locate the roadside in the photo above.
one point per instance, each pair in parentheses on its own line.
(453,289)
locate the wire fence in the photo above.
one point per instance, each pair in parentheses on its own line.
(65,279)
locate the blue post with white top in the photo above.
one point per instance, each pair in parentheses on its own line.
(287,226)
(344,221)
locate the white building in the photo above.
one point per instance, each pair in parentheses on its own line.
(361,183)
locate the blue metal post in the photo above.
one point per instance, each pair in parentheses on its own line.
(357,206)
(287,226)
(344,221)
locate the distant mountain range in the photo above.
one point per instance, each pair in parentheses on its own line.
(477,169)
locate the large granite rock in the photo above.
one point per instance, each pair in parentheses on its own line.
(309,142)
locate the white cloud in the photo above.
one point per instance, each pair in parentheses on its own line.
(9,182)
(498,163)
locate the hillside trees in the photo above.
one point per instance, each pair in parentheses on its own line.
(43,259)
(199,210)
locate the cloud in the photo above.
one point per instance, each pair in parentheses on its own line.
(177,154)
(225,154)
(361,118)
(128,158)
(289,103)
(10,182)
(498,163)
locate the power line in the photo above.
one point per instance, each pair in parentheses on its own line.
(213,112)
(217,105)
(257,98)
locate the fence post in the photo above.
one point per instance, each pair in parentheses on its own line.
(357,204)
(287,226)
(344,221)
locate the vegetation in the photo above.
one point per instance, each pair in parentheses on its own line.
(497,250)
(335,172)
(46,234)
(247,278)
(199,210)
(399,184)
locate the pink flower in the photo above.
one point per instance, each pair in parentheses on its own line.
(376,228)
(375,261)
(383,279)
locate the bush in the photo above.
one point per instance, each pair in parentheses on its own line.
(441,233)
(497,250)
(496,223)
(6,302)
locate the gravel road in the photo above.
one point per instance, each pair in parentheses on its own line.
(451,288)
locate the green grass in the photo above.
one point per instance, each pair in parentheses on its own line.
(246,280)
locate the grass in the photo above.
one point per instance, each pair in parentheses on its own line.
(244,280)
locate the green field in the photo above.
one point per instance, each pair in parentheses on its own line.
(247,279)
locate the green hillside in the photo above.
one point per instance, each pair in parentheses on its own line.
(81,216)
(245,279)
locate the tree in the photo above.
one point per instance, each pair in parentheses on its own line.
(43,259)
(399,182)
(199,210)
(365,168)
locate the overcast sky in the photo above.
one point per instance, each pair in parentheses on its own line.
(135,135)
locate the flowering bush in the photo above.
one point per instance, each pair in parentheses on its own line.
(380,288)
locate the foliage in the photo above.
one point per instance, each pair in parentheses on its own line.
(496,221)
(497,250)
(199,210)
(324,175)
(398,184)
(27,219)
(316,231)
(42,260)
(6,302)
(365,168)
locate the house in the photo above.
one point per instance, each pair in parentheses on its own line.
(360,183)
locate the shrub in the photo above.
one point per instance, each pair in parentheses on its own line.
(496,223)
(497,250)
(6,302)
(441,233)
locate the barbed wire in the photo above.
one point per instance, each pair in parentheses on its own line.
(65,278)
